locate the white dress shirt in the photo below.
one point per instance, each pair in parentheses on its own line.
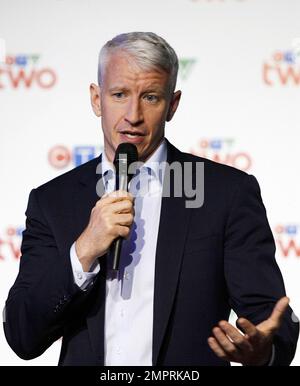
(129,297)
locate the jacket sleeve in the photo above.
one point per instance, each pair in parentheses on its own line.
(252,275)
(44,296)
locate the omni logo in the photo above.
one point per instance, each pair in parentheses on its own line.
(185,67)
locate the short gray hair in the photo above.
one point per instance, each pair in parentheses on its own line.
(149,51)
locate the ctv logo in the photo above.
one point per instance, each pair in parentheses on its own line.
(10,243)
(60,156)
(26,71)
(222,151)
(283,68)
(288,240)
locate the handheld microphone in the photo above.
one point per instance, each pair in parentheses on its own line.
(125,155)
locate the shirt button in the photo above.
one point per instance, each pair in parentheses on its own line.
(118,350)
(122,312)
(79,275)
(127,275)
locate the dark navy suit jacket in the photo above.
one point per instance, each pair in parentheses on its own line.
(209,260)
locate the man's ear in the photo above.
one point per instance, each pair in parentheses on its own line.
(173,105)
(95,99)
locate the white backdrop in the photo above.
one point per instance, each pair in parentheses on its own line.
(240,78)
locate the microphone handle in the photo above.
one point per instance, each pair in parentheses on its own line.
(117,245)
(116,253)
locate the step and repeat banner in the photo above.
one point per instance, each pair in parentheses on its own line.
(240,81)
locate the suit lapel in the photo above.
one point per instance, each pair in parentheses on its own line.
(85,200)
(86,196)
(174,220)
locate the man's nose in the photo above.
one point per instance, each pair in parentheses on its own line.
(134,114)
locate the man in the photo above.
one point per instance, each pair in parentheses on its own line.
(182,269)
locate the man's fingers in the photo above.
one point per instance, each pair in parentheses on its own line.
(123,231)
(217,349)
(249,329)
(279,311)
(237,338)
(124,219)
(124,206)
(117,195)
(226,345)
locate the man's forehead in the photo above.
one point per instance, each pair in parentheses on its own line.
(131,83)
(122,68)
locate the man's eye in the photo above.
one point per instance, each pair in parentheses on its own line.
(151,98)
(118,95)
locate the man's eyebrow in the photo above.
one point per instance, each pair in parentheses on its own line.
(117,88)
(155,89)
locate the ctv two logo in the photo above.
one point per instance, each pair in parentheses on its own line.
(222,150)
(10,242)
(283,68)
(26,71)
(288,239)
(61,156)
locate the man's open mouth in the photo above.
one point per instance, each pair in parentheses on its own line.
(132,134)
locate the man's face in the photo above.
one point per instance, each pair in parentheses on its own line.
(133,104)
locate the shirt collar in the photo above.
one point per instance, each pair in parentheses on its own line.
(106,164)
(153,163)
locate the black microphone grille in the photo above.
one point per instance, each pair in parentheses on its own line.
(126,148)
